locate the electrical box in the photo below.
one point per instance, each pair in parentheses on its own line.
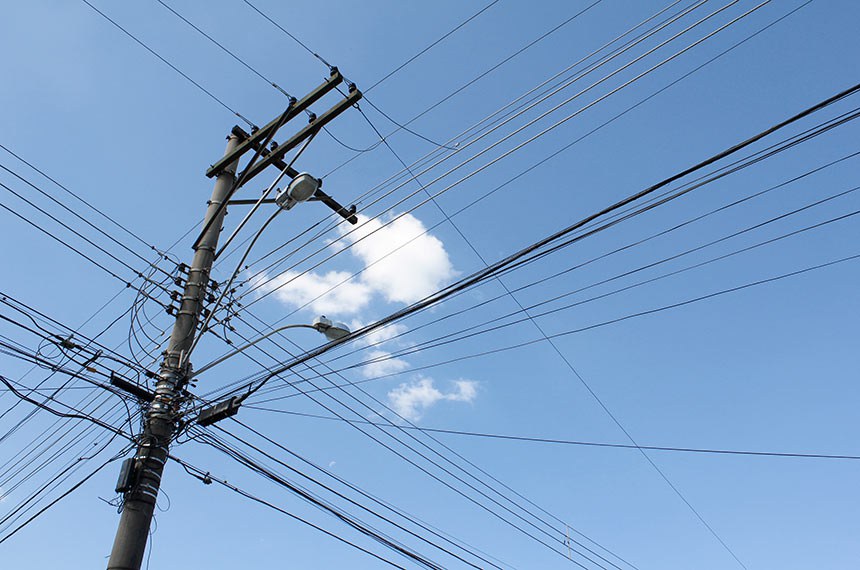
(126,476)
(220,411)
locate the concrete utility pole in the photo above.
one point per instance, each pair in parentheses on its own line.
(145,475)
(140,476)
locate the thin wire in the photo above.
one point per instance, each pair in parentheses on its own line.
(618,52)
(528,141)
(272,506)
(225,49)
(567,146)
(83,201)
(429,47)
(486,435)
(487,273)
(170,65)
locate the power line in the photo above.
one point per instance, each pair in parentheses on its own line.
(484,274)
(524,143)
(604,60)
(425,470)
(565,147)
(89,205)
(433,44)
(486,435)
(341,495)
(201,474)
(462,334)
(170,65)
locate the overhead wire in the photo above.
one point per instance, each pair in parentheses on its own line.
(84,202)
(170,65)
(474,126)
(567,146)
(414,520)
(536,247)
(515,148)
(349,500)
(200,474)
(582,443)
(538,281)
(316,501)
(198,30)
(424,469)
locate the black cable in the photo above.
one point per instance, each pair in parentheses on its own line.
(431,461)
(603,61)
(483,261)
(47,408)
(464,333)
(74,213)
(170,65)
(79,199)
(531,139)
(475,126)
(572,143)
(448,472)
(225,49)
(272,506)
(343,496)
(60,498)
(429,47)
(624,318)
(63,242)
(488,272)
(570,67)
(582,443)
(365,494)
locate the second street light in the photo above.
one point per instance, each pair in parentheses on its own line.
(208,416)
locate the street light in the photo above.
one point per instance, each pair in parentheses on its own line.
(230,407)
(332,331)
(300,189)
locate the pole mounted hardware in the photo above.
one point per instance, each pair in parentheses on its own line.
(255,139)
(220,411)
(264,157)
(138,392)
(314,126)
(347,214)
(140,476)
(125,481)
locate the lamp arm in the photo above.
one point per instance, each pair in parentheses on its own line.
(248,345)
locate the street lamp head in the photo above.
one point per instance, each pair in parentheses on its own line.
(331,330)
(300,189)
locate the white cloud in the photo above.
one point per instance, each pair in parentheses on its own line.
(406,275)
(383,367)
(403,275)
(385,333)
(413,399)
(296,289)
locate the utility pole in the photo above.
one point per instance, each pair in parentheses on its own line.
(140,476)
(148,463)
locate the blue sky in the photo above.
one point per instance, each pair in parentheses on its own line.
(770,367)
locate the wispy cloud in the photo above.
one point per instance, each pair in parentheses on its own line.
(297,289)
(384,364)
(403,275)
(411,400)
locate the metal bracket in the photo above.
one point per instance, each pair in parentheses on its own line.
(294,109)
(220,411)
(125,385)
(312,127)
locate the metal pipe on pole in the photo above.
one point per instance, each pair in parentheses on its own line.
(161,419)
